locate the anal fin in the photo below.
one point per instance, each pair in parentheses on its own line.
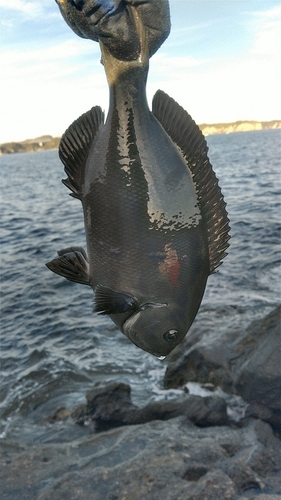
(72,264)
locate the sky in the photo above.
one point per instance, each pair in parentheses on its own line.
(221,62)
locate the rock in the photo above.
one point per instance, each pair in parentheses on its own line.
(247,364)
(39,144)
(58,415)
(214,485)
(111,406)
(257,374)
(239,126)
(203,412)
(262,497)
(160,460)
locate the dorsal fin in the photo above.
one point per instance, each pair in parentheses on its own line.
(187,136)
(75,145)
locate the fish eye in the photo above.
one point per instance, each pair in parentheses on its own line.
(171,336)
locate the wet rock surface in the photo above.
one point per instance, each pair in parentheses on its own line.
(111,406)
(246,363)
(170,460)
(188,448)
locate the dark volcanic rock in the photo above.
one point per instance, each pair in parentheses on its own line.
(258,370)
(247,364)
(58,415)
(111,406)
(172,460)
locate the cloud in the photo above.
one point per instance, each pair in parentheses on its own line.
(232,86)
(50,63)
(46,85)
(193,33)
(223,91)
(175,64)
(44,89)
(27,8)
(68,49)
(267,25)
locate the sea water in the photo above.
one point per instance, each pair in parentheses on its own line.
(53,348)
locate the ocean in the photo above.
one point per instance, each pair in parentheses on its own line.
(53,348)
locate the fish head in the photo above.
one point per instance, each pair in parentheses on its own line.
(155,328)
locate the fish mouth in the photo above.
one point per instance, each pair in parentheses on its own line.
(145,340)
(137,341)
(146,326)
(135,334)
(138,336)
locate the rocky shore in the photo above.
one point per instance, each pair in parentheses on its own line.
(39,144)
(48,142)
(239,126)
(188,448)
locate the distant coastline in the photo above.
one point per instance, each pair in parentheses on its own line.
(46,142)
(240,126)
(39,144)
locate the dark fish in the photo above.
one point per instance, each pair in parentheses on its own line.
(155,218)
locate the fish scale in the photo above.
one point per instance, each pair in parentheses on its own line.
(155,219)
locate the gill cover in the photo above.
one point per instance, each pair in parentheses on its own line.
(154,328)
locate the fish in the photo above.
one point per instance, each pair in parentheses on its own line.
(155,218)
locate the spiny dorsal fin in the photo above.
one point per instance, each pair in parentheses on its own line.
(72,264)
(187,136)
(75,145)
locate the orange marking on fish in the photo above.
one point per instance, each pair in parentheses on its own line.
(170,266)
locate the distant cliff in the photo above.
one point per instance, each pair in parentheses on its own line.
(39,144)
(48,142)
(240,126)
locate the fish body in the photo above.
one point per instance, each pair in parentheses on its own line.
(155,219)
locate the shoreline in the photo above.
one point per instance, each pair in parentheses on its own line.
(49,142)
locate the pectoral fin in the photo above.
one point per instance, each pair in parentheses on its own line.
(72,264)
(108,301)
